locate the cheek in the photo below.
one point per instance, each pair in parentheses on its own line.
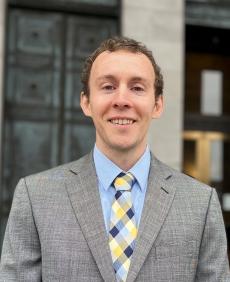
(146,110)
(99,107)
(97,111)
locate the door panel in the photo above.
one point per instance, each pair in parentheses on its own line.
(32,95)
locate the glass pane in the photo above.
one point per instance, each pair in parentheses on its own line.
(216,169)
(211,92)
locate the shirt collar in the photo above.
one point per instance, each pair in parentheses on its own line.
(107,171)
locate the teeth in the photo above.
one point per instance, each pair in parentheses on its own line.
(121,121)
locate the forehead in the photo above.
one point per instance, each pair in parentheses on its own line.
(122,62)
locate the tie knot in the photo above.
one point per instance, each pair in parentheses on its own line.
(124,181)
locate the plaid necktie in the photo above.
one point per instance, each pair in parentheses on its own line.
(123,230)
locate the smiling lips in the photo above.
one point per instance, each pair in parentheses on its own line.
(123,121)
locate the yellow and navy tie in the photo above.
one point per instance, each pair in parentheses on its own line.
(123,229)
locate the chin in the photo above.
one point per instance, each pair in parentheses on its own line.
(124,146)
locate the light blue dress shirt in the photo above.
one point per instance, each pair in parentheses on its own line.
(107,171)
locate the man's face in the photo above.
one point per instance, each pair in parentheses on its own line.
(122,101)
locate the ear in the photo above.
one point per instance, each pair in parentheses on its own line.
(85,104)
(158,107)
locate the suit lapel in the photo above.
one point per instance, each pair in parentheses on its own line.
(82,188)
(158,199)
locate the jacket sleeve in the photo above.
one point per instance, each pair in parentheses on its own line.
(21,253)
(213,262)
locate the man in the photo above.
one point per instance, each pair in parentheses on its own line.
(117,214)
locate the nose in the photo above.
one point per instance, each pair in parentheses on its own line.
(121,98)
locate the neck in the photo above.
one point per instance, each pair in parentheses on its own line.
(124,159)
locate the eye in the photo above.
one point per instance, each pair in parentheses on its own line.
(108,87)
(138,88)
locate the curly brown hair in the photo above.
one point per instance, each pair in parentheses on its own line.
(121,43)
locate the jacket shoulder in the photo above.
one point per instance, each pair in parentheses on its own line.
(183,182)
(57,176)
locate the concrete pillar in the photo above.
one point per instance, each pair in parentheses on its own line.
(160,25)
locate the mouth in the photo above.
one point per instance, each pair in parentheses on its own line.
(122,121)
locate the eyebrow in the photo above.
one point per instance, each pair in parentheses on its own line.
(113,78)
(139,79)
(108,76)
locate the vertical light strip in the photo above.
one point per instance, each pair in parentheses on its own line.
(226,201)
(216,161)
(211,92)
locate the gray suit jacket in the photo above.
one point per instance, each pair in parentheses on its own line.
(56,230)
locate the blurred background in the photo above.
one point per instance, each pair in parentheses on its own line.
(42,46)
